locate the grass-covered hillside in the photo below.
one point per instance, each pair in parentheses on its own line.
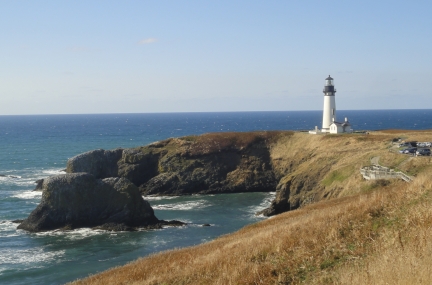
(359,232)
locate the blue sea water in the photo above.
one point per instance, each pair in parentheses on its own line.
(34,147)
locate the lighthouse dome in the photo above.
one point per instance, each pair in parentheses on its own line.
(329,81)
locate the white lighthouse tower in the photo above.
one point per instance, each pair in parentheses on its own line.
(329,110)
(329,123)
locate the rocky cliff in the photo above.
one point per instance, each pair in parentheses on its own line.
(211,163)
(301,168)
(100,163)
(292,164)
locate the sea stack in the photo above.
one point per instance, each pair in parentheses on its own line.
(77,200)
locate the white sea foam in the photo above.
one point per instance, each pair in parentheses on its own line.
(74,234)
(200,225)
(7,226)
(266,202)
(157,198)
(9,178)
(186,221)
(28,256)
(158,242)
(190,205)
(45,173)
(27,177)
(28,195)
(29,182)
(53,171)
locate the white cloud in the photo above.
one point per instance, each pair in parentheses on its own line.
(147,41)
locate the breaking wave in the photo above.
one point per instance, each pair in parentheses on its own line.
(75,234)
(182,206)
(158,198)
(263,205)
(28,256)
(28,195)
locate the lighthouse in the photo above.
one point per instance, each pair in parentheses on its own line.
(329,123)
(329,110)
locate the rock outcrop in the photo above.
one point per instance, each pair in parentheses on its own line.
(100,163)
(212,163)
(291,191)
(39,184)
(80,200)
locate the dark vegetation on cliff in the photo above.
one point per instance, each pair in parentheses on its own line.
(361,232)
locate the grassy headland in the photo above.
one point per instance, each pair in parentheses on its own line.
(346,231)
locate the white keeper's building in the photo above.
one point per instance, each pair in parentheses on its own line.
(329,123)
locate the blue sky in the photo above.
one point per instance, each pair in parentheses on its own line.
(200,56)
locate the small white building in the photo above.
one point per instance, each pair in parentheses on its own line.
(337,128)
(329,123)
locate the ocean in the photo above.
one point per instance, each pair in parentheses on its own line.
(37,146)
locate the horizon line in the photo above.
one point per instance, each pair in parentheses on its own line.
(197,112)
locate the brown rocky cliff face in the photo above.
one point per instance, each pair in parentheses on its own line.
(292,164)
(209,163)
(295,189)
(139,165)
(212,163)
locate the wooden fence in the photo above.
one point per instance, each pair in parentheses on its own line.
(381,172)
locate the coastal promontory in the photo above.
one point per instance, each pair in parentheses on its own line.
(299,167)
(106,187)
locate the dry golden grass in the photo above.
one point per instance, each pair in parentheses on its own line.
(378,236)
(216,142)
(403,253)
(334,160)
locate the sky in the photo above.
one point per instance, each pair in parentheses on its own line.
(74,57)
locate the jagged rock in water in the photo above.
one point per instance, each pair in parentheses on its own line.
(39,184)
(80,200)
(101,163)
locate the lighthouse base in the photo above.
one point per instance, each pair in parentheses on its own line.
(316,131)
(335,128)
